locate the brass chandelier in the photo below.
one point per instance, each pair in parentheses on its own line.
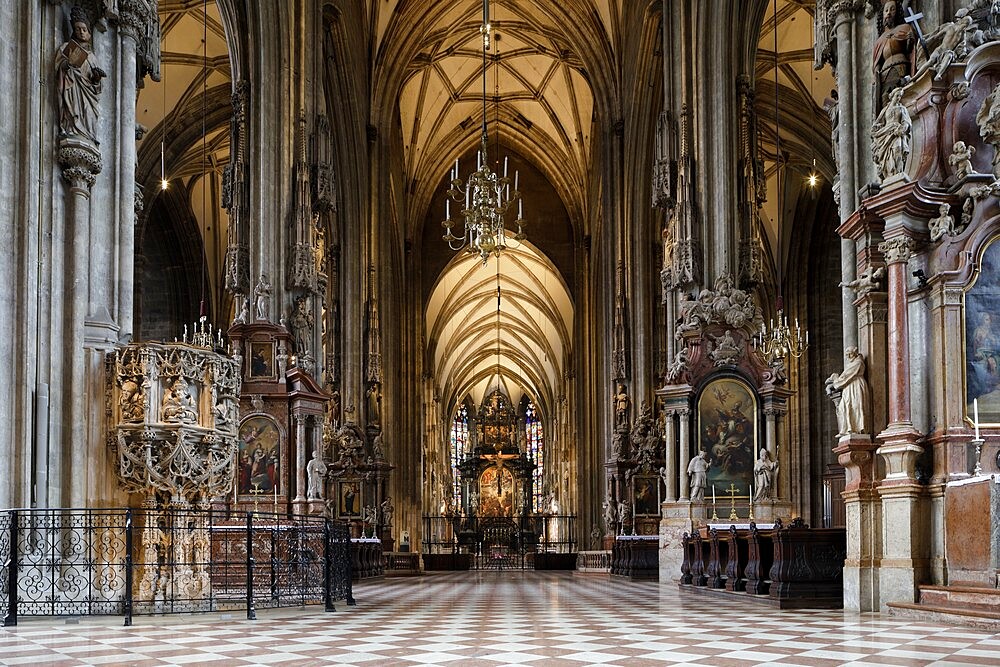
(486,196)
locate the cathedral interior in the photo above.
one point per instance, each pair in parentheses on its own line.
(580,276)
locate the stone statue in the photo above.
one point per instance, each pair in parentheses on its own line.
(610,516)
(943,225)
(869,281)
(679,365)
(132,401)
(622,404)
(961,160)
(79,81)
(988,120)
(764,473)
(301,322)
(387,511)
(891,137)
(664,476)
(178,406)
(624,512)
(832,106)
(618,445)
(375,404)
(892,54)
(855,395)
(725,351)
(698,470)
(948,38)
(262,298)
(316,471)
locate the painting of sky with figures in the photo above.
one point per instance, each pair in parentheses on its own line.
(982,338)
(727,430)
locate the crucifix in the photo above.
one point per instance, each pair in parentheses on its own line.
(498,460)
(913,19)
(255,492)
(732,502)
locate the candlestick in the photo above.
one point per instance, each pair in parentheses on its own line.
(975,415)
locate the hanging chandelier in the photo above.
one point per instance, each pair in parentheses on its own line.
(486,196)
(778,340)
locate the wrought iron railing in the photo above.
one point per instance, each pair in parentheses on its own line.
(73,562)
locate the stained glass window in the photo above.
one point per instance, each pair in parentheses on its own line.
(459,439)
(536,452)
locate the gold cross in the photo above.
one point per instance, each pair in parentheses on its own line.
(255,492)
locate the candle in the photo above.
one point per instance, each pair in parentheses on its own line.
(713,494)
(975,415)
(751,495)
(235,499)
(275,498)
(447,209)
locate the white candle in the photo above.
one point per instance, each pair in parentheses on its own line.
(447,209)
(975,415)
(515,180)
(505,166)
(751,494)
(713,494)
(276,498)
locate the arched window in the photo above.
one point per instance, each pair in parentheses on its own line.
(536,452)
(459,440)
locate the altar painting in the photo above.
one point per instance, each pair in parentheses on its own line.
(259,453)
(496,492)
(646,495)
(727,430)
(982,338)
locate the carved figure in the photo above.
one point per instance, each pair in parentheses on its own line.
(79,80)
(178,406)
(832,106)
(301,322)
(387,511)
(132,401)
(869,281)
(764,472)
(892,54)
(855,394)
(726,350)
(262,298)
(316,471)
(698,470)
(948,37)
(961,160)
(988,120)
(624,512)
(375,404)
(622,404)
(891,137)
(618,445)
(610,516)
(943,225)
(679,365)
(725,304)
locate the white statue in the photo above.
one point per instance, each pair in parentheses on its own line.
(679,365)
(262,297)
(624,512)
(698,470)
(764,473)
(387,511)
(891,137)
(855,395)
(943,225)
(961,159)
(316,471)
(869,281)
(948,37)
(610,516)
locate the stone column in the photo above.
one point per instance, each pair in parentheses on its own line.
(81,162)
(300,464)
(904,563)
(863,520)
(685,452)
(671,454)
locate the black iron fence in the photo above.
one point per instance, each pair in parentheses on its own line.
(499,542)
(71,562)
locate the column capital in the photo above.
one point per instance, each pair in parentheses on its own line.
(898,249)
(80,161)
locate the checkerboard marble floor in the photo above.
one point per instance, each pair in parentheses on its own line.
(506,618)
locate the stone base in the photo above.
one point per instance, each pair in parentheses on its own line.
(859,584)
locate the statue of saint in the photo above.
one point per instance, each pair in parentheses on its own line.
(178,406)
(301,322)
(855,395)
(610,516)
(387,511)
(891,136)
(764,472)
(892,55)
(79,80)
(262,297)
(622,403)
(132,401)
(316,471)
(698,470)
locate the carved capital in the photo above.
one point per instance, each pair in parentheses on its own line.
(80,161)
(897,250)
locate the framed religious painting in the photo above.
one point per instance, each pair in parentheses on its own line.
(982,339)
(646,495)
(259,452)
(262,360)
(727,431)
(349,499)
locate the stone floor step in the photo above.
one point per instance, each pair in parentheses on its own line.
(974,617)
(960,596)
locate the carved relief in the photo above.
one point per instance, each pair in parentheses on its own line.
(988,120)
(725,304)
(869,281)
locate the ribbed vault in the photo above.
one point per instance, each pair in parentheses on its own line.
(524,345)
